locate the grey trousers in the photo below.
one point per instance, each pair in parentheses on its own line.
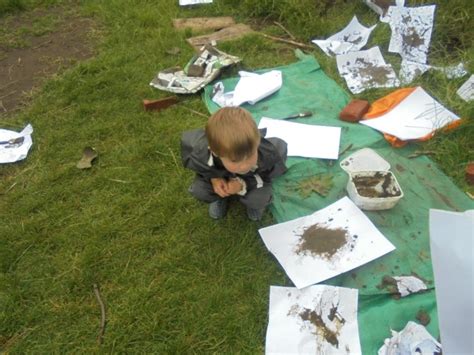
(254,199)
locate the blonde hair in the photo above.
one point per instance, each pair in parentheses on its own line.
(232,133)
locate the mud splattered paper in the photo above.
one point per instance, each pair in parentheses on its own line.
(411,31)
(316,320)
(350,39)
(325,244)
(364,70)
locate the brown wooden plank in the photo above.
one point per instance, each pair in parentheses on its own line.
(228,33)
(203,23)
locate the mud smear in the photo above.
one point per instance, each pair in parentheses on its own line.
(378,185)
(400,168)
(444,198)
(412,38)
(373,74)
(322,241)
(356,40)
(390,284)
(423,317)
(314,318)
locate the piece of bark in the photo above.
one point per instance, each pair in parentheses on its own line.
(354,111)
(203,23)
(159,104)
(226,34)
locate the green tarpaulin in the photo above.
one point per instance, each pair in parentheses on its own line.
(307,88)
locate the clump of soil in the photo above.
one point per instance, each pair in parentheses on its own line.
(390,284)
(380,184)
(423,317)
(319,240)
(314,318)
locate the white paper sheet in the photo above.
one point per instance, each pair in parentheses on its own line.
(193,2)
(466,91)
(299,319)
(352,38)
(304,266)
(251,88)
(10,153)
(452,249)
(414,117)
(413,339)
(411,31)
(309,141)
(365,70)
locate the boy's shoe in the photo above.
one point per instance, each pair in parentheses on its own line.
(218,208)
(255,214)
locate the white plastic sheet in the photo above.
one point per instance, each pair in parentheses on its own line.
(452,255)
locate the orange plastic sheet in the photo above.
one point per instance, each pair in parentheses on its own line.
(387,103)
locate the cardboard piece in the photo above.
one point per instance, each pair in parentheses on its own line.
(203,23)
(232,32)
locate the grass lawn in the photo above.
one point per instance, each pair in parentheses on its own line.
(173,280)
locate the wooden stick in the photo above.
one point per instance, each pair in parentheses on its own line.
(100,337)
(284,29)
(194,111)
(298,44)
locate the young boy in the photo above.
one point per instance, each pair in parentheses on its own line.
(231,158)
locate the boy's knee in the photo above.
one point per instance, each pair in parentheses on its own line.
(202,190)
(258,198)
(281,147)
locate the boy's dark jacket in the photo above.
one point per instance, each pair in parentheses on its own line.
(195,156)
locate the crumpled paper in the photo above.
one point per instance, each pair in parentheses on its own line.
(12,152)
(200,70)
(413,339)
(251,88)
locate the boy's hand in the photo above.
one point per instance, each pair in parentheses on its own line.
(234,187)
(225,188)
(219,185)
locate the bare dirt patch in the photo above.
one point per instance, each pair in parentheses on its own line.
(24,68)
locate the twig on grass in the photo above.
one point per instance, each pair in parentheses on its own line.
(284,29)
(100,337)
(175,160)
(298,44)
(194,111)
